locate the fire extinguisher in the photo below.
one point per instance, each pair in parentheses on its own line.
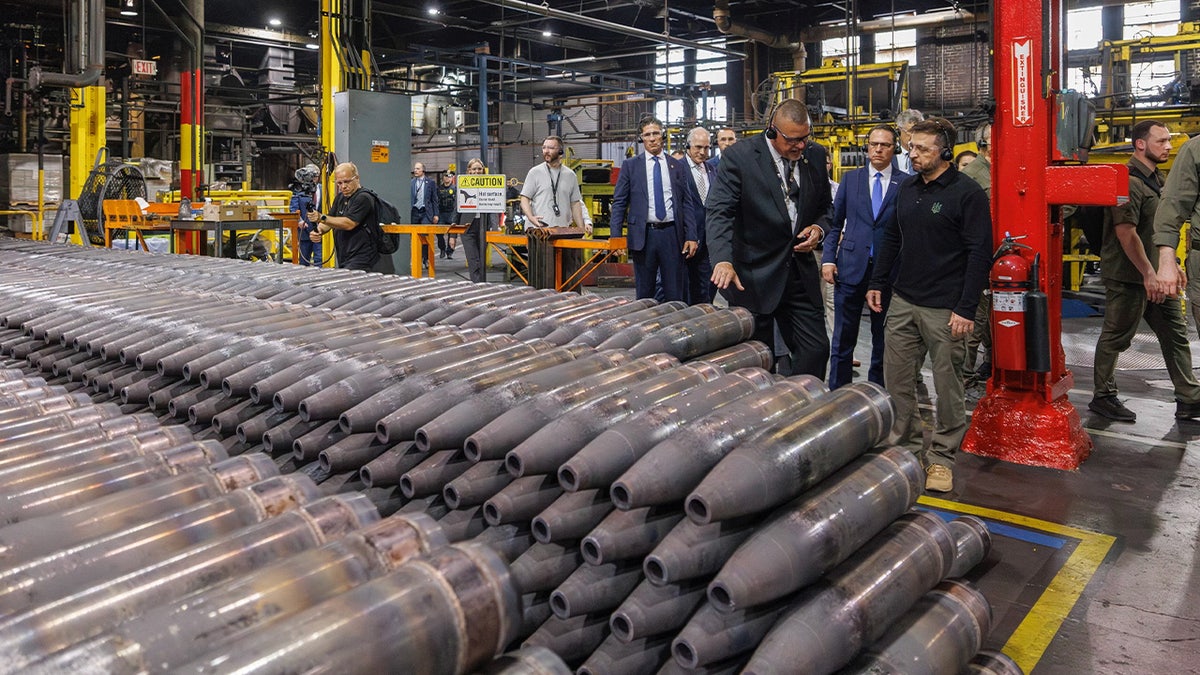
(1020,335)
(1010,284)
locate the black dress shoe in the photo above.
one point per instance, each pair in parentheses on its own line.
(1110,407)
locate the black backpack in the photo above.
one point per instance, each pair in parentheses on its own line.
(385,212)
(1090,219)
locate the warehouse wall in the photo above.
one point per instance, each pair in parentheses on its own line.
(953,69)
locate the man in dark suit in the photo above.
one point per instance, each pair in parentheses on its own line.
(725,138)
(767,212)
(654,198)
(424,197)
(424,203)
(701,176)
(865,205)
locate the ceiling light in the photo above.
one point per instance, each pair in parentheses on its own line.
(546,32)
(129,7)
(312,45)
(275,22)
(433,11)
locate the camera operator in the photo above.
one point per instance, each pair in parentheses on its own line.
(305,196)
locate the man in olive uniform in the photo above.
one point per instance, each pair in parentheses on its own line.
(1180,201)
(980,171)
(1131,284)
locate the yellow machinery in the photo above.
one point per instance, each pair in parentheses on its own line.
(596,187)
(853,99)
(1117,106)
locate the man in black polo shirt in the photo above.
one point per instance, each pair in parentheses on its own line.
(350,217)
(940,248)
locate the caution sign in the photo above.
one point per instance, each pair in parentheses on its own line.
(481,194)
(379,152)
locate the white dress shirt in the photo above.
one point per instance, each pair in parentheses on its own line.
(666,186)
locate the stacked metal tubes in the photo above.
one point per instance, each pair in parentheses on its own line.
(612,454)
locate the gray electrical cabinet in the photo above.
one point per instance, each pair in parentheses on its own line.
(374,130)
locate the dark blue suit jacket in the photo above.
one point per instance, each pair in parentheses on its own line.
(710,175)
(631,202)
(854,229)
(431,197)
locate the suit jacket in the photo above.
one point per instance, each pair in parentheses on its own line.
(710,175)
(431,195)
(748,223)
(854,230)
(631,203)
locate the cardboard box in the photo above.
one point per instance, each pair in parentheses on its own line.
(229,212)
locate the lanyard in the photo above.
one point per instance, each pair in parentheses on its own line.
(554,188)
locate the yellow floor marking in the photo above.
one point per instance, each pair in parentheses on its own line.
(1031,638)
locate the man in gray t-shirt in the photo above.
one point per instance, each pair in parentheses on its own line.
(550,196)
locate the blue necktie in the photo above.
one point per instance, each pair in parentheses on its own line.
(660,204)
(877,194)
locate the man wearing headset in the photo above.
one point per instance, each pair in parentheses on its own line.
(655,206)
(767,211)
(550,196)
(863,208)
(699,269)
(935,259)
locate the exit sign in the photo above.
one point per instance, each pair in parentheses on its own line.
(145,67)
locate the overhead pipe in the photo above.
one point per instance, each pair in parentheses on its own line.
(723,17)
(941,18)
(87,36)
(591,22)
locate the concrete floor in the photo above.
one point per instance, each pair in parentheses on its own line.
(1096,570)
(1140,610)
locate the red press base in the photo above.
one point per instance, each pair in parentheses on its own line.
(1021,427)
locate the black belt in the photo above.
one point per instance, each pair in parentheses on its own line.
(661,226)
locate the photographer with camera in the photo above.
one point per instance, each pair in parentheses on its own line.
(305,194)
(352,219)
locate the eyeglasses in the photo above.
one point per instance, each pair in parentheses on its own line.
(793,140)
(923,149)
(880,146)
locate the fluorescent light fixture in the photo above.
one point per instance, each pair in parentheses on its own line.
(433,11)
(129,7)
(546,32)
(275,22)
(312,45)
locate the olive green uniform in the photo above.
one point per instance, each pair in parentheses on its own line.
(1126,303)
(1180,202)
(981,171)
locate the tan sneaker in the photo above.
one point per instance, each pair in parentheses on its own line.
(938,478)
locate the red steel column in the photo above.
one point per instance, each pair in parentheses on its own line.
(1025,416)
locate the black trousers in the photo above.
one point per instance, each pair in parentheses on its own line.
(801,318)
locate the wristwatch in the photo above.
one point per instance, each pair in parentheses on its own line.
(322,217)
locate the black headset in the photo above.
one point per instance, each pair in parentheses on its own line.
(890,129)
(648,118)
(771,132)
(944,131)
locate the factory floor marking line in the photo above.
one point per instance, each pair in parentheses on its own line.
(1031,638)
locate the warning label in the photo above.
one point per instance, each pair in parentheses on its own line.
(481,193)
